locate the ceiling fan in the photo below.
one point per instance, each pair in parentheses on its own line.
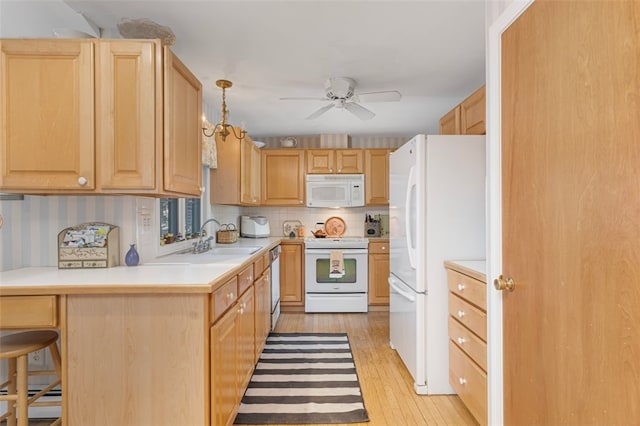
(339,91)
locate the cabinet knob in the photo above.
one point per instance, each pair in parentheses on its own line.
(461,340)
(462,380)
(460,314)
(460,287)
(82,181)
(300,201)
(339,170)
(331,170)
(383,248)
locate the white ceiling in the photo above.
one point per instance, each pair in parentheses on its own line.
(433,52)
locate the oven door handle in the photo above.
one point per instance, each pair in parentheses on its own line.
(393,283)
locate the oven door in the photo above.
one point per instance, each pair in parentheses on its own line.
(317,279)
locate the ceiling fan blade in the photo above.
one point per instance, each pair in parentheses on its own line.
(359,111)
(303,99)
(385,96)
(320,111)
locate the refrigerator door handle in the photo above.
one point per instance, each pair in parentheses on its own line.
(392,283)
(411,187)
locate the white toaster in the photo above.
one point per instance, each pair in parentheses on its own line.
(254,226)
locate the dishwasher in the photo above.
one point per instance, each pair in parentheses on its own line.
(275,286)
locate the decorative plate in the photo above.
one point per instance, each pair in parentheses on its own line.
(335,227)
(289,226)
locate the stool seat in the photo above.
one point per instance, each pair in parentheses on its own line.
(18,344)
(15,348)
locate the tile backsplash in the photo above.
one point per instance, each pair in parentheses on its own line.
(353,217)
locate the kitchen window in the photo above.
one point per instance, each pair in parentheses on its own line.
(179,219)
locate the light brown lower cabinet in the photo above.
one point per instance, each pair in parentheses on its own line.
(224,378)
(379,272)
(292,274)
(263,310)
(468,336)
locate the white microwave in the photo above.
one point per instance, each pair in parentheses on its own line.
(335,190)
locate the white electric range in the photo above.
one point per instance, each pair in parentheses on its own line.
(346,291)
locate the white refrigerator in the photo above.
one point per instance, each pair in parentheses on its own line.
(436,213)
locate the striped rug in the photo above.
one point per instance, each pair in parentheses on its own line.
(304,378)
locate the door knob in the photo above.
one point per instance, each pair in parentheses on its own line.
(502,283)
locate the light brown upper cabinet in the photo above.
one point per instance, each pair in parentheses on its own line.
(236,180)
(329,161)
(283,177)
(376,177)
(467,118)
(473,114)
(450,122)
(139,133)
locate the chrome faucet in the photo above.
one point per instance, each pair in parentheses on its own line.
(201,245)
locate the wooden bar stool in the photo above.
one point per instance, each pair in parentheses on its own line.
(16,349)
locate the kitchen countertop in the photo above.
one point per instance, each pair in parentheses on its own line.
(474,268)
(167,274)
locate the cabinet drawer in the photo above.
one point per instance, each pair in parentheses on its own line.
(471,344)
(470,316)
(468,288)
(258,266)
(469,382)
(378,247)
(28,312)
(245,279)
(224,297)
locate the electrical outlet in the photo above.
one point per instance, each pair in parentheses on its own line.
(36,358)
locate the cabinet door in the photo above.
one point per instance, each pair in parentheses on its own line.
(128,114)
(46,115)
(224,378)
(182,128)
(246,339)
(320,161)
(249,173)
(349,161)
(450,122)
(473,113)
(283,177)
(379,273)
(376,176)
(292,275)
(263,310)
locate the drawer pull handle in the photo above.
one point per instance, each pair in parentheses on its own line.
(460,287)
(460,314)
(462,381)
(461,340)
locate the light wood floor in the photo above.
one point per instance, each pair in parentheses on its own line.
(387,386)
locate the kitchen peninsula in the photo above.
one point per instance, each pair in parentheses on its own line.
(146,345)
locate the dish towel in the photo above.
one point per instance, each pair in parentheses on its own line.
(336,264)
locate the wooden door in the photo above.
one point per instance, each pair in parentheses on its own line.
(292,275)
(182,128)
(571,214)
(379,278)
(128,115)
(283,177)
(246,172)
(376,177)
(47,116)
(349,161)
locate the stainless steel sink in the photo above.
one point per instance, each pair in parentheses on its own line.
(223,250)
(217,255)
